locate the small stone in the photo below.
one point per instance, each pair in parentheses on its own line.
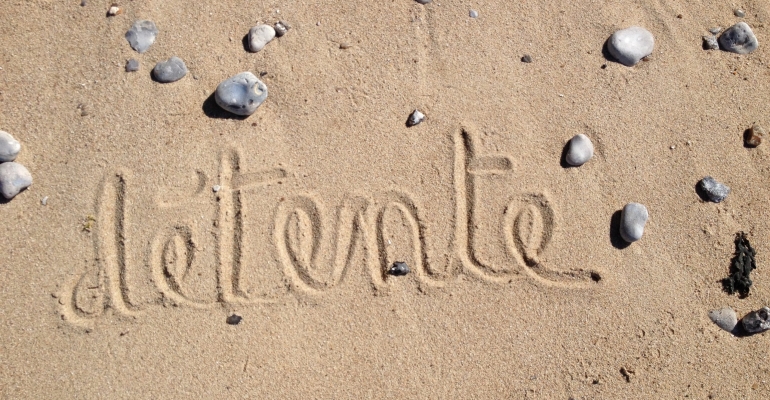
(715,30)
(725,318)
(132,65)
(13,179)
(415,118)
(754,136)
(473,13)
(216,188)
(260,36)
(739,13)
(170,70)
(398,269)
(630,45)
(738,39)
(9,147)
(281,28)
(715,191)
(423,1)
(142,35)
(757,321)
(83,3)
(234,319)
(579,151)
(241,94)
(344,46)
(114,10)
(632,220)
(44,201)
(527,58)
(710,42)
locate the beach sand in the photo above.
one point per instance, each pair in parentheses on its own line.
(120,286)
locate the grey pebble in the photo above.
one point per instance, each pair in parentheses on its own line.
(260,36)
(14,178)
(715,30)
(399,269)
(234,319)
(739,13)
(9,147)
(527,58)
(580,149)
(241,94)
(142,35)
(473,13)
(632,220)
(714,190)
(630,45)
(170,70)
(281,28)
(132,65)
(710,42)
(738,39)
(423,1)
(415,118)
(757,321)
(725,318)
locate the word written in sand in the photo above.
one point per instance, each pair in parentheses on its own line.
(254,254)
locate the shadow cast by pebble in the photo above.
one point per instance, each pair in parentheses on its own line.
(563,160)
(615,238)
(701,193)
(606,52)
(245,42)
(746,136)
(213,110)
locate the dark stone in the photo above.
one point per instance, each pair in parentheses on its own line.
(398,269)
(234,319)
(742,265)
(527,58)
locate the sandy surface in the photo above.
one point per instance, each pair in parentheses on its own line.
(120,286)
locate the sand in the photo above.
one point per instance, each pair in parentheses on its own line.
(121,285)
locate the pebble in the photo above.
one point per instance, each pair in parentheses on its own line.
(473,13)
(170,70)
(714,190)
(754,136)
(710,42)
(415,118)
(630,45)
(632,220)
(234,319)
(715,30)
(399,269)
(241,94)
(132,65)
(260,36)
(216,188)
(114,10)
(423,1)
(14,178)
(580,150)
(281,28)
(527,58)
(725,318)
(739,13)
(757,321)
(44,201)
(142,35)
(738,39)
(9,147)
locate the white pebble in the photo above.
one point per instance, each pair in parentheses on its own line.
(260,36)
(216,188)
(580,150)
(9,147)
(44,200)
(630,45)
(14,178)
(632,220)
(473,13)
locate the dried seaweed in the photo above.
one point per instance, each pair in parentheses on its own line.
(742,265)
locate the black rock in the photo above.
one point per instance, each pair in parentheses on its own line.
(742,265)
(398,269)
(234,319)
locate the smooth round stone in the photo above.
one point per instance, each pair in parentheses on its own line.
(399,268)
(580,150)
(630,45)
(632,220)
(714,190)
(142,35)
(13,179)
(725,318)
(170,70)
(260,36)
(738,39)
(757,321)
(241,94)
(9,147)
